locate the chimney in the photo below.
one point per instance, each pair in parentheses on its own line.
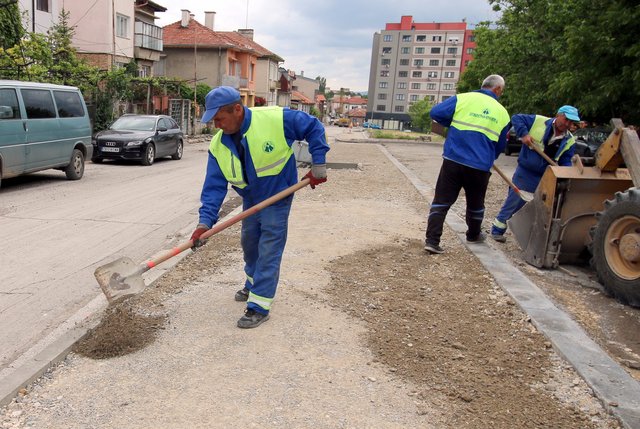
(246,32)
(185,18)
(209,18)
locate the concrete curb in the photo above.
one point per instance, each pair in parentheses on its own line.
(612,385)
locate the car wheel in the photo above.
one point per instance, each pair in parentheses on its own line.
(75,169)
(149,154)
(178,154)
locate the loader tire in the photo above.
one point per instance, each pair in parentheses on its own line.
(615,247)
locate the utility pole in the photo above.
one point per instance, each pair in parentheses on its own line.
(195,74)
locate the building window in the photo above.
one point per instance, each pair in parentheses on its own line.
(466,63)
(419,51)
(382,96)
(400,97)
(421,38)
(432,74)
(386,50)
(383,85)
(43,5)
(434,62)
(436,39)
(402,85)
(449,75)
(417,74)
(414,97)
(381,108)
(450,63)
(471,38)
(122,26)
(431,86)
(404,62)
(470,51)
(447,86)
(399,108)
(444,97)
(144,71)
(431,97)
(404,50)
(385,61)
(403,73)
(415,85)
(452,51)
(147,36)
(435,50)
(406,38)
(387,38)
(384,73)
(418,63)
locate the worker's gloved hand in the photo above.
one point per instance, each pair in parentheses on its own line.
(528,140)
(195,237)
(317,175)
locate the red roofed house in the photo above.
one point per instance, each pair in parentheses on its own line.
(193,51)
(300,102)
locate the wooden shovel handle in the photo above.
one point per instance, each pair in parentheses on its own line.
(537,149)
(506,179)
(227,223)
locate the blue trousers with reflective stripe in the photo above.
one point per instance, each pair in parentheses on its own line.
(524,180)
(263,238)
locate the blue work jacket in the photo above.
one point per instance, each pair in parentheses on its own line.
(470,148)
(298,125)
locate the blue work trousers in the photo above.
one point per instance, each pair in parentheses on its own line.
(525,181)
(263,238)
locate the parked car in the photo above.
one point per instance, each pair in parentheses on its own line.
(588,140)
(513,143)
(139,137)
(43,126)
(371,125)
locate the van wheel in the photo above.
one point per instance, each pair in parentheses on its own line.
(178,153)
(149,155)
(75,169)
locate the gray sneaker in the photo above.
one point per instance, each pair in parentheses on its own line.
(500,238)
(242,294)
(252,319)
(433,248)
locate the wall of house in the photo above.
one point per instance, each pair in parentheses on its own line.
(266,80)
(43,20)
(211,65)
(307,86)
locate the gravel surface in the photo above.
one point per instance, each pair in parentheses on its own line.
(367,331)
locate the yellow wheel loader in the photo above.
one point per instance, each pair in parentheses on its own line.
(589,213)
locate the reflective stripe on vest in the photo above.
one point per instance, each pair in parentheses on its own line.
(479,112)
(537,133)
(268,147)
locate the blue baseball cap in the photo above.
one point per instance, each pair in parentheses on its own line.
(570,112)
(216,98)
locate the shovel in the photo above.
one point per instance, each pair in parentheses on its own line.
(123,277)
(526,196)
(539,151)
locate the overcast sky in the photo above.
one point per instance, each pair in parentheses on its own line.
(329,38)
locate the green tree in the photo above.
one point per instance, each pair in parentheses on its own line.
(420,117)
(11,30)
(323,84)
(553,52)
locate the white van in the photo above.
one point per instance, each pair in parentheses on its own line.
(43,126)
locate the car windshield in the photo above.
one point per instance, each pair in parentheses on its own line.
(134,123)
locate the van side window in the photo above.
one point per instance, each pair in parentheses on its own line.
(38,103)
(69,105)
(9,108)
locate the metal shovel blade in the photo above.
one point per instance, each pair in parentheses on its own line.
(120,279)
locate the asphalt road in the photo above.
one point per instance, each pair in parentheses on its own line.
(57,232)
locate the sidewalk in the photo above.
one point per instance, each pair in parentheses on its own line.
(311,364)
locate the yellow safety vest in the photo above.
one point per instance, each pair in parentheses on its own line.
(267,144)
(479,112)
(537,133)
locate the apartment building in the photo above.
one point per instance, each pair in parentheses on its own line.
(411,61)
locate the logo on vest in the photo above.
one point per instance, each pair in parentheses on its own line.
(268,147)
(485,112)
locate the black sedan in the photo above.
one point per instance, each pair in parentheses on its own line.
(139,137)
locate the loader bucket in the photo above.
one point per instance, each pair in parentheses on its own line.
(553,228)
